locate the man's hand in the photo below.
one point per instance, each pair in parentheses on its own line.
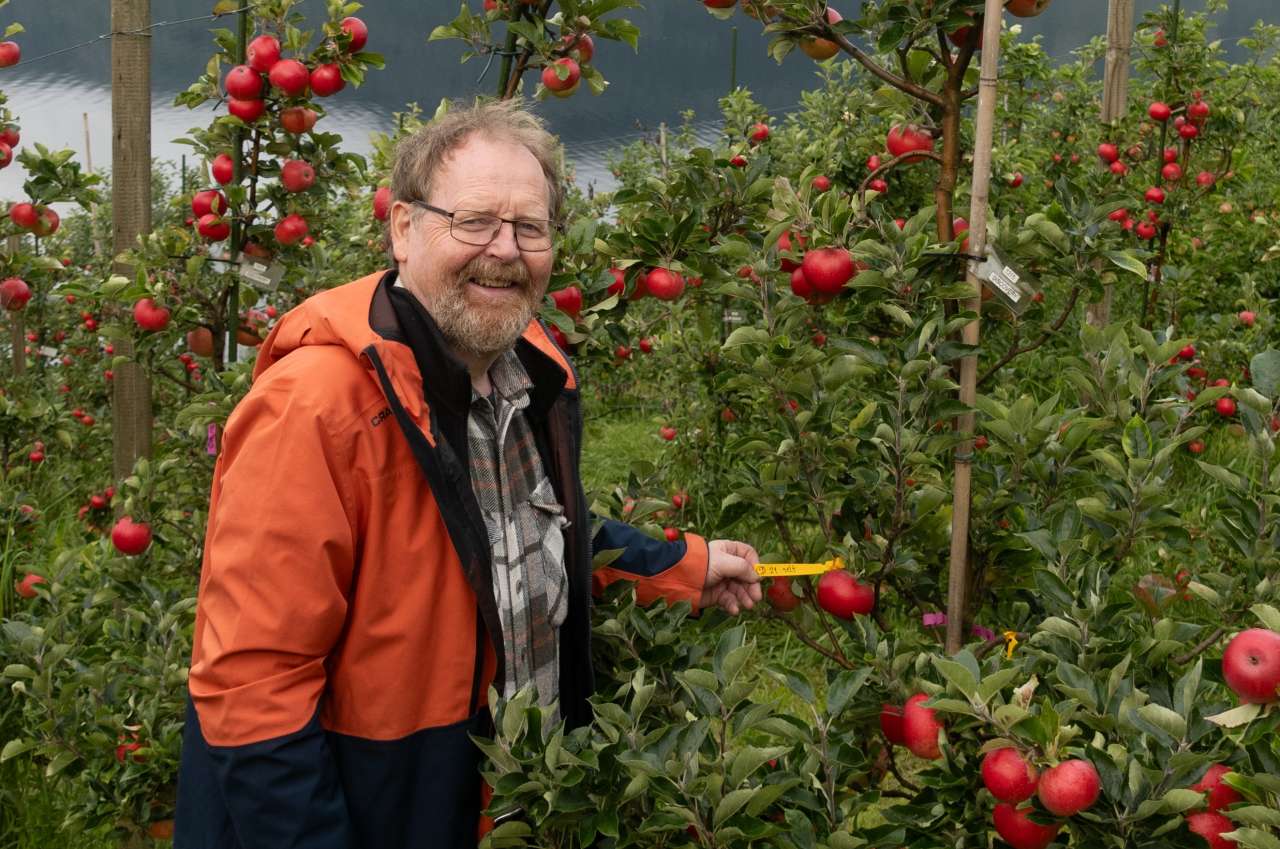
(732,582)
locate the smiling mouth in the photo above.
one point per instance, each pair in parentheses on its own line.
(491,283)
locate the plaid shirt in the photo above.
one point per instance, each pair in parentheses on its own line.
(525,524)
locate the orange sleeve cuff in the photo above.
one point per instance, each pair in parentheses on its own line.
(682,582)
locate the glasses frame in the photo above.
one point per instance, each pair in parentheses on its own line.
(553,226)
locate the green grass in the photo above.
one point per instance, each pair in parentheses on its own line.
(610,444)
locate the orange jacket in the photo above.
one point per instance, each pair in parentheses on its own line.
(346,632)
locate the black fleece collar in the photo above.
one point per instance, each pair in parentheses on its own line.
(398,315)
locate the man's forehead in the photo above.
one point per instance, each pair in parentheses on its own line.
(493,171)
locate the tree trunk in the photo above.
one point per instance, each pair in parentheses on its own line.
(131,211)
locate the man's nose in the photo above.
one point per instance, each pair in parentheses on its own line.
(504,244)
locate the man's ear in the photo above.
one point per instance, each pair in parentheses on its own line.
(401,221)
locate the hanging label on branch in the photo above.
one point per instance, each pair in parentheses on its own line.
(1010,286)
(260,274)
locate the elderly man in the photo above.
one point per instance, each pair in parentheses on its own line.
(397,522)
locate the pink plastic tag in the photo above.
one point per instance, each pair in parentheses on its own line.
(212,444)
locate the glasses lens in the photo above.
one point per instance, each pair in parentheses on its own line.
(478,228)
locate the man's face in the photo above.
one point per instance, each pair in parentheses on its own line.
(482,297)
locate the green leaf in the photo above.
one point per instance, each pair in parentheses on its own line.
(60,762)
(958,675)
(1264,368)
(1253,838)
(732,803)
(1256,815)
(16,747)
(1165,719)
(1181,799)
(1137,439)
(1237,716)
(1128,262)
(1269,616)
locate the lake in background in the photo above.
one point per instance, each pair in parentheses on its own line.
(683,63)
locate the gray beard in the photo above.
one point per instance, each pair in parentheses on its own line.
(477,332)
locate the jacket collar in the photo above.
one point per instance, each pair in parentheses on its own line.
(396,314)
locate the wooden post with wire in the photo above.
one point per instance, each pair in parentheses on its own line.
(958,572)
(17,330)
(130,212)
(1115,102)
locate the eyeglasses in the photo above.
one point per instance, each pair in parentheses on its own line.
(481,228)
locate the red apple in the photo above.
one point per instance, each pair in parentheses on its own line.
(920,727)
(246,110)
(24,215)
(213,227)
(841,595)
(1226,408)
(580,47)
(821,183)
(27,586)
(359,34)
(243,83)
(327,80)
(298,119)
(1247,317)
(820,49)
(14,294)
(1015,827)
(663,284)
(759,132)
(891,724)
(223,168)
(667,432)
(562,76)
(1159,111)
(619,284)
(1009,776)
(904,139)
(297,175)
(1070,787)
(1108,152)
(291,229)
(785,246)
(48,223)
(827,269)
(207,201)
(130,537)
(9,135)
(1211,825)
(382,203)
(149,316)
(1155,194)
(568,300)
(781,595)
(1251,664)
(263,53)
(1221,795)
(10,54)
(290,77)
(799,285)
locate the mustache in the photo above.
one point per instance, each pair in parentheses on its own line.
(490,270)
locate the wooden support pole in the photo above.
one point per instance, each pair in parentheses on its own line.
(1115,102)
(130,211)
(17,330)
(984,131)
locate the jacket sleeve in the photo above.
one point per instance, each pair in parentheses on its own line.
(279,557)
(674,571)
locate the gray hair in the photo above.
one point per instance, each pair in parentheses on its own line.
(420,155)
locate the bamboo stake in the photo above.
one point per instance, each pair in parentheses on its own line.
(958,572)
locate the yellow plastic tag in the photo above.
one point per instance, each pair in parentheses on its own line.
(787,570)
(1011,643)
